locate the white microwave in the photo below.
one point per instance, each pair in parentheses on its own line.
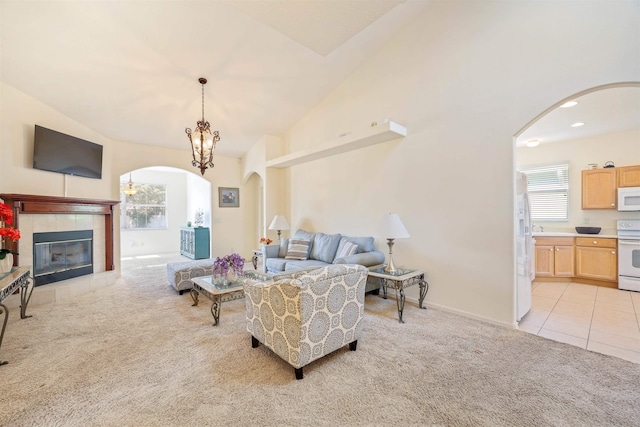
(629,199)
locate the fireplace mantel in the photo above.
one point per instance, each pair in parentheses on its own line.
(33,204)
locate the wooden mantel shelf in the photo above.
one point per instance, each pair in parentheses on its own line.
(33,204)
(370,136)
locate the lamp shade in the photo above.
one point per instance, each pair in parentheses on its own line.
(279,223)
(392,227)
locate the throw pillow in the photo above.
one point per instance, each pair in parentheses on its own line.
(345,249)
(298,249)
(324,247)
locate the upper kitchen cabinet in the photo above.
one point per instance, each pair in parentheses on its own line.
(599,188)
(629,176)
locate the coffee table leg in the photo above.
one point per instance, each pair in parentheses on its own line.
(194,296)
(215,311)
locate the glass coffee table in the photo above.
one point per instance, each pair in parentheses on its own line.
(400,279)
(218,293)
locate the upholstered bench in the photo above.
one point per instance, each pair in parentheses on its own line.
(180,273)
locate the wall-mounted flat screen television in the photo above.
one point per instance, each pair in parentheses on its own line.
(56,152)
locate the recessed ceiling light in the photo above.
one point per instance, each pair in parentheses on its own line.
(533,143)
(568,104)
(577,125)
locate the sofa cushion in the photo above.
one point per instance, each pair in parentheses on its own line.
(365,244)
(345,248)
(325,246)
(303,265)
(298,249)
(303,234)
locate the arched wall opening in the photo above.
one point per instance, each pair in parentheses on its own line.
(611,138)
(155,229)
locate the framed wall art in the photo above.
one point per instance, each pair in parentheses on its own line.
(229,197)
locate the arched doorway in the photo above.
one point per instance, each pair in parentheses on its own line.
(562,308)
(164,199)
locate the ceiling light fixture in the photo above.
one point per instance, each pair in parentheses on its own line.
(533,143)
(203,141)
(129,191)
(568,104)
(577,125)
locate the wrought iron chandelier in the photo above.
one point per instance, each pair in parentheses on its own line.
(203,141)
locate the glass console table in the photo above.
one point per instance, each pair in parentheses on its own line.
(401,279)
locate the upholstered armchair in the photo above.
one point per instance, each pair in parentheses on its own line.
(304,315)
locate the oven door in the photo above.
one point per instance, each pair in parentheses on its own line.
(629,264)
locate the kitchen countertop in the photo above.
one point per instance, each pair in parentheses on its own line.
(606,235)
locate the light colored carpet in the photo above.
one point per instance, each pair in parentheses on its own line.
(138,354)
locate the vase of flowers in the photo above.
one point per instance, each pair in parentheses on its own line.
(7,233)
(228,269)
(265,241)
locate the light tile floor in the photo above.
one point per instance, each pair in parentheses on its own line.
(604,320)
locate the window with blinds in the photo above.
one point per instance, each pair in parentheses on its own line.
(548,188)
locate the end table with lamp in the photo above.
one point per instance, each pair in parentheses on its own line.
(392,228)
(400,279)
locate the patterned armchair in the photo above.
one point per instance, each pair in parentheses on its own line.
(304,315)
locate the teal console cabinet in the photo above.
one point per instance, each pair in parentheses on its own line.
(194,242)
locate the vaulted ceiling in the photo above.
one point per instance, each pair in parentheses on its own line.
(129,69)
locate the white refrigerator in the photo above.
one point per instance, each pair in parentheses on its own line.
(524,248)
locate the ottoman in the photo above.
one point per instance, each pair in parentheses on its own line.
(180,273)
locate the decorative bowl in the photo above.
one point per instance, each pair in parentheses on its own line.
(588,230)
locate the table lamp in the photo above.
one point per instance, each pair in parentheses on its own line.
(279,223)
(392,228)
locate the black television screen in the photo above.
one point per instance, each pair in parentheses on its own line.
(56,152)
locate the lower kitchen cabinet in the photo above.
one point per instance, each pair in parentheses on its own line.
(555,257)
(597,259)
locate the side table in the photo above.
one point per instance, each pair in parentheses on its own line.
(401,279)
(9,283)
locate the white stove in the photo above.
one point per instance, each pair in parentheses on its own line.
(629,254)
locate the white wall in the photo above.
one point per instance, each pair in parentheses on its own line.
(464,77)
(621,148)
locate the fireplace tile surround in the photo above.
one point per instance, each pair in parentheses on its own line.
(37,214)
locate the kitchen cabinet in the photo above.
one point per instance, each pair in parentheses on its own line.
(629,176)
(555,256)
(597,259)
(599,188)
(194,242)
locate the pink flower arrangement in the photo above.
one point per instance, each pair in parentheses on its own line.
(6,218)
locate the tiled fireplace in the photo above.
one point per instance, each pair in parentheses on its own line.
(41,218)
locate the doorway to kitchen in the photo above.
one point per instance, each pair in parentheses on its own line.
(594,128)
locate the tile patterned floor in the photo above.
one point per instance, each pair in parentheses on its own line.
(604,320)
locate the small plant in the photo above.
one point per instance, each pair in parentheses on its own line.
(198,219)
